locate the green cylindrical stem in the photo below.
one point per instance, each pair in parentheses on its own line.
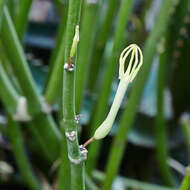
(118,146)
(68,119)
(48,131)
(59,38)
(185,124)
(19,64)
(101,39)
(20,156)
(186,181)
(22,17)
(90,185)
(101,108)
(131,183)
(78,176)
(56,62)
(64,174)
(2,2)
(89,25)
(43,148)
(160,125)
(48,141)
(12,6)
(16,55)
(8,94)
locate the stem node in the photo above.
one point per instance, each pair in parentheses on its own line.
(69,67)
(71,135)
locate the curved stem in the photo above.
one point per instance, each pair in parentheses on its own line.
(2,2)
(8,94)
(185,124)
(18,61)
(10,99)
(160,125)
(22,17)
(186,181)
(20,155)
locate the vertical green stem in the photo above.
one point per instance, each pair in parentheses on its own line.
(160,125)
(90,185)
(12,6)
(2,2)
(16,54)
(186,181)
(10,99)
(56,60)
(118,146)
(101,108)
(185,124)
(20,156)
(22,17)
(64,181)
(18,61)
(89,25)
(101,39)
(68,120)
(8,94)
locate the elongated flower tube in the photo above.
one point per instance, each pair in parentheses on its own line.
(135,62)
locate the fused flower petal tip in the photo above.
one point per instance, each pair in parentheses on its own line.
(135,62)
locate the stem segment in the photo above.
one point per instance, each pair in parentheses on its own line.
(89,26)
(22,17)
(186,181)
(20,156)
(76,156)
(101,39)
(160,125)
(18,62)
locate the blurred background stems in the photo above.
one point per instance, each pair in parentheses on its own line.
(160,123)
(18,62)
(8,94)
(130,183)
(145,11)
(102,36)
(111,68)
(10,99)
(20,155)
(186,181)
(2,2)
(53,80)
(185,124)
(89,25)
(119,144)
(17,59)
(21,19)
(90,185)
(68,102)
(12,6)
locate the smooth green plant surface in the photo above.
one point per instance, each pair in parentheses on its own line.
(54,98)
